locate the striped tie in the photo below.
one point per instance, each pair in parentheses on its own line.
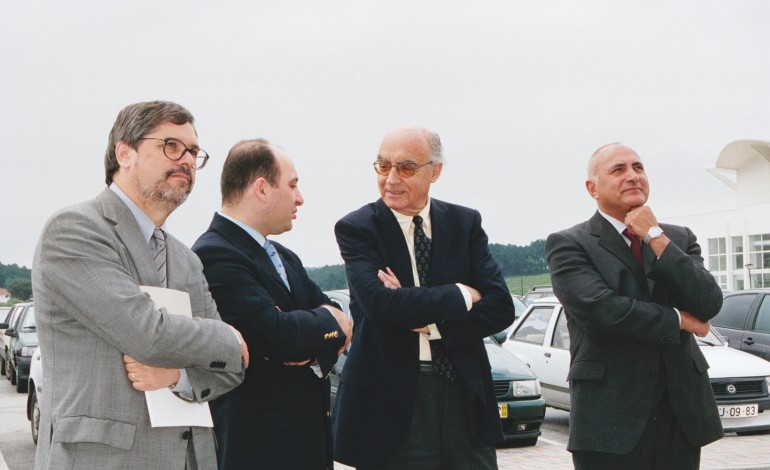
(159,251)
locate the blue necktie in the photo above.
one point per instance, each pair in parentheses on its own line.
(273,254)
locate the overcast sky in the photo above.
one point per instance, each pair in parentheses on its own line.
(521,93)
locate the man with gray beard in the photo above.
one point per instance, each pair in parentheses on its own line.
(102,340)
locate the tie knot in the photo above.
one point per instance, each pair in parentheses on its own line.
(630,235)
(417,220)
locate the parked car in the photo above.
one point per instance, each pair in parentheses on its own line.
(537,292)
(739,380)
(23,343)
(5,341)
(517,389)
(745,321)
(34,391)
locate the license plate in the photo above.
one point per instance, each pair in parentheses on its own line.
(738,411)
(503,409)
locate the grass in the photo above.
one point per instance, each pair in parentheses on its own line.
(519,285)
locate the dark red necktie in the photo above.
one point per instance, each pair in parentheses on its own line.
(636,246)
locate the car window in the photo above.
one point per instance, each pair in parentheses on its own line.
(532,329)
(560,333)
(28,321)
(762,324)
(734,311)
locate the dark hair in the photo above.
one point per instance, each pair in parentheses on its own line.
(137,120)
(247,161)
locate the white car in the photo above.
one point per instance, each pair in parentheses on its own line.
(34,389)
(740,380)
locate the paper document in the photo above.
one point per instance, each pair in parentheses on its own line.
(165,408)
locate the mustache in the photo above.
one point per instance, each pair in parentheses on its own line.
(182,169)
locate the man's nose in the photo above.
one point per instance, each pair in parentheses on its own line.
(188,159)
(393,176)
(299,199)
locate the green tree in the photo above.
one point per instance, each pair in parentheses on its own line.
(329,277)
(20,288)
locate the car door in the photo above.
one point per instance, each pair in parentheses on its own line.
(732,318)
(756,338)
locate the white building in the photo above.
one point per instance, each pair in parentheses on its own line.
(736,243)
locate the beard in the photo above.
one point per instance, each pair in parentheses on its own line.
(162,193)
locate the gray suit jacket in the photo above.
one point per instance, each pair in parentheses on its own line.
(625,342)
(88,266)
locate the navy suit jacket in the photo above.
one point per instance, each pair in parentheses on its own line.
(279,416)
(376,394)
(625,337)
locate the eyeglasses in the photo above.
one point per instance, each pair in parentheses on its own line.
(404,169)
(174,150)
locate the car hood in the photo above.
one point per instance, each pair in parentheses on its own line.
(728,362)
(506,366)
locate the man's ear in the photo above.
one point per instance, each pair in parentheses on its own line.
(123,152)
(436,172)
(591,187)
(260,188)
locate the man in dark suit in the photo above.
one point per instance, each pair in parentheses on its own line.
(639,387)
(425,291)
(279,417)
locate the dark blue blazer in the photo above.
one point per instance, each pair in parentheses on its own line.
(625,342)
(279,416)
(376,395)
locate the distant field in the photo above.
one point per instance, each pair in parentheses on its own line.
(519,285)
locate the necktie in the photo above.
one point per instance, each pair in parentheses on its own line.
(636,246)
(271,251)
(159,253)
(441,361)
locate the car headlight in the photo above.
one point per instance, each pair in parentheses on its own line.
(28,350)
(526,388)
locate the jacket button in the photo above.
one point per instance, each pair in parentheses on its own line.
(186,435)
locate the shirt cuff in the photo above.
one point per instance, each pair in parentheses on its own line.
(434,333)
(466,295)
(183,387)
(678,315)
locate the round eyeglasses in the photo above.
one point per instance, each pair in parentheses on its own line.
(174,150)
(404,169)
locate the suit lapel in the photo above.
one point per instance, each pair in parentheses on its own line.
(613,242)
(441,238)
(127,229)
(393,238)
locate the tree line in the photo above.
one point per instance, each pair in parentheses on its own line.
(514,261)
(17,280)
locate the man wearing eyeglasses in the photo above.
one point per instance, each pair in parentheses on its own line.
(103,342)
(417,389)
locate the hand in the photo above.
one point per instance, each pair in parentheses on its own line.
(639,220)
(424,330)
(388,279)
(692,324)
(298,363)
(475,295)
(345,324)
(146,378)
(244,347)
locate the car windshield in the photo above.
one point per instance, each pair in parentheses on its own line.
(28,322)
(711,339)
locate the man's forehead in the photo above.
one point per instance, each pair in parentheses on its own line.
(618,155)
(405,144)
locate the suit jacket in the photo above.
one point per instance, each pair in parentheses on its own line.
(88,266)
(376,393)
(625,337)
(279,417)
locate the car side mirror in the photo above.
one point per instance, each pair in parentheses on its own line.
(500,337)
(11,332)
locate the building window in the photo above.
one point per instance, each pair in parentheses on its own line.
(760,280)
(759,252)
(737,252)
(721,280)
(718,254)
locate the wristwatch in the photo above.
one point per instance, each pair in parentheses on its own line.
(654,232)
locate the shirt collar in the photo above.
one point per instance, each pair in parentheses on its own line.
(250,230)
(405,221)
(146,225)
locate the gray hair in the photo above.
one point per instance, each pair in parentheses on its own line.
(436,149)
(137,120)
(593,163)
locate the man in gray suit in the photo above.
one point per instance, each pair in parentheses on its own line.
(634,292)
(102,340)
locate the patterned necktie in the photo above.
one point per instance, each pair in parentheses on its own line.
(441,361)
(636,246)
(159,252)
(271,251)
